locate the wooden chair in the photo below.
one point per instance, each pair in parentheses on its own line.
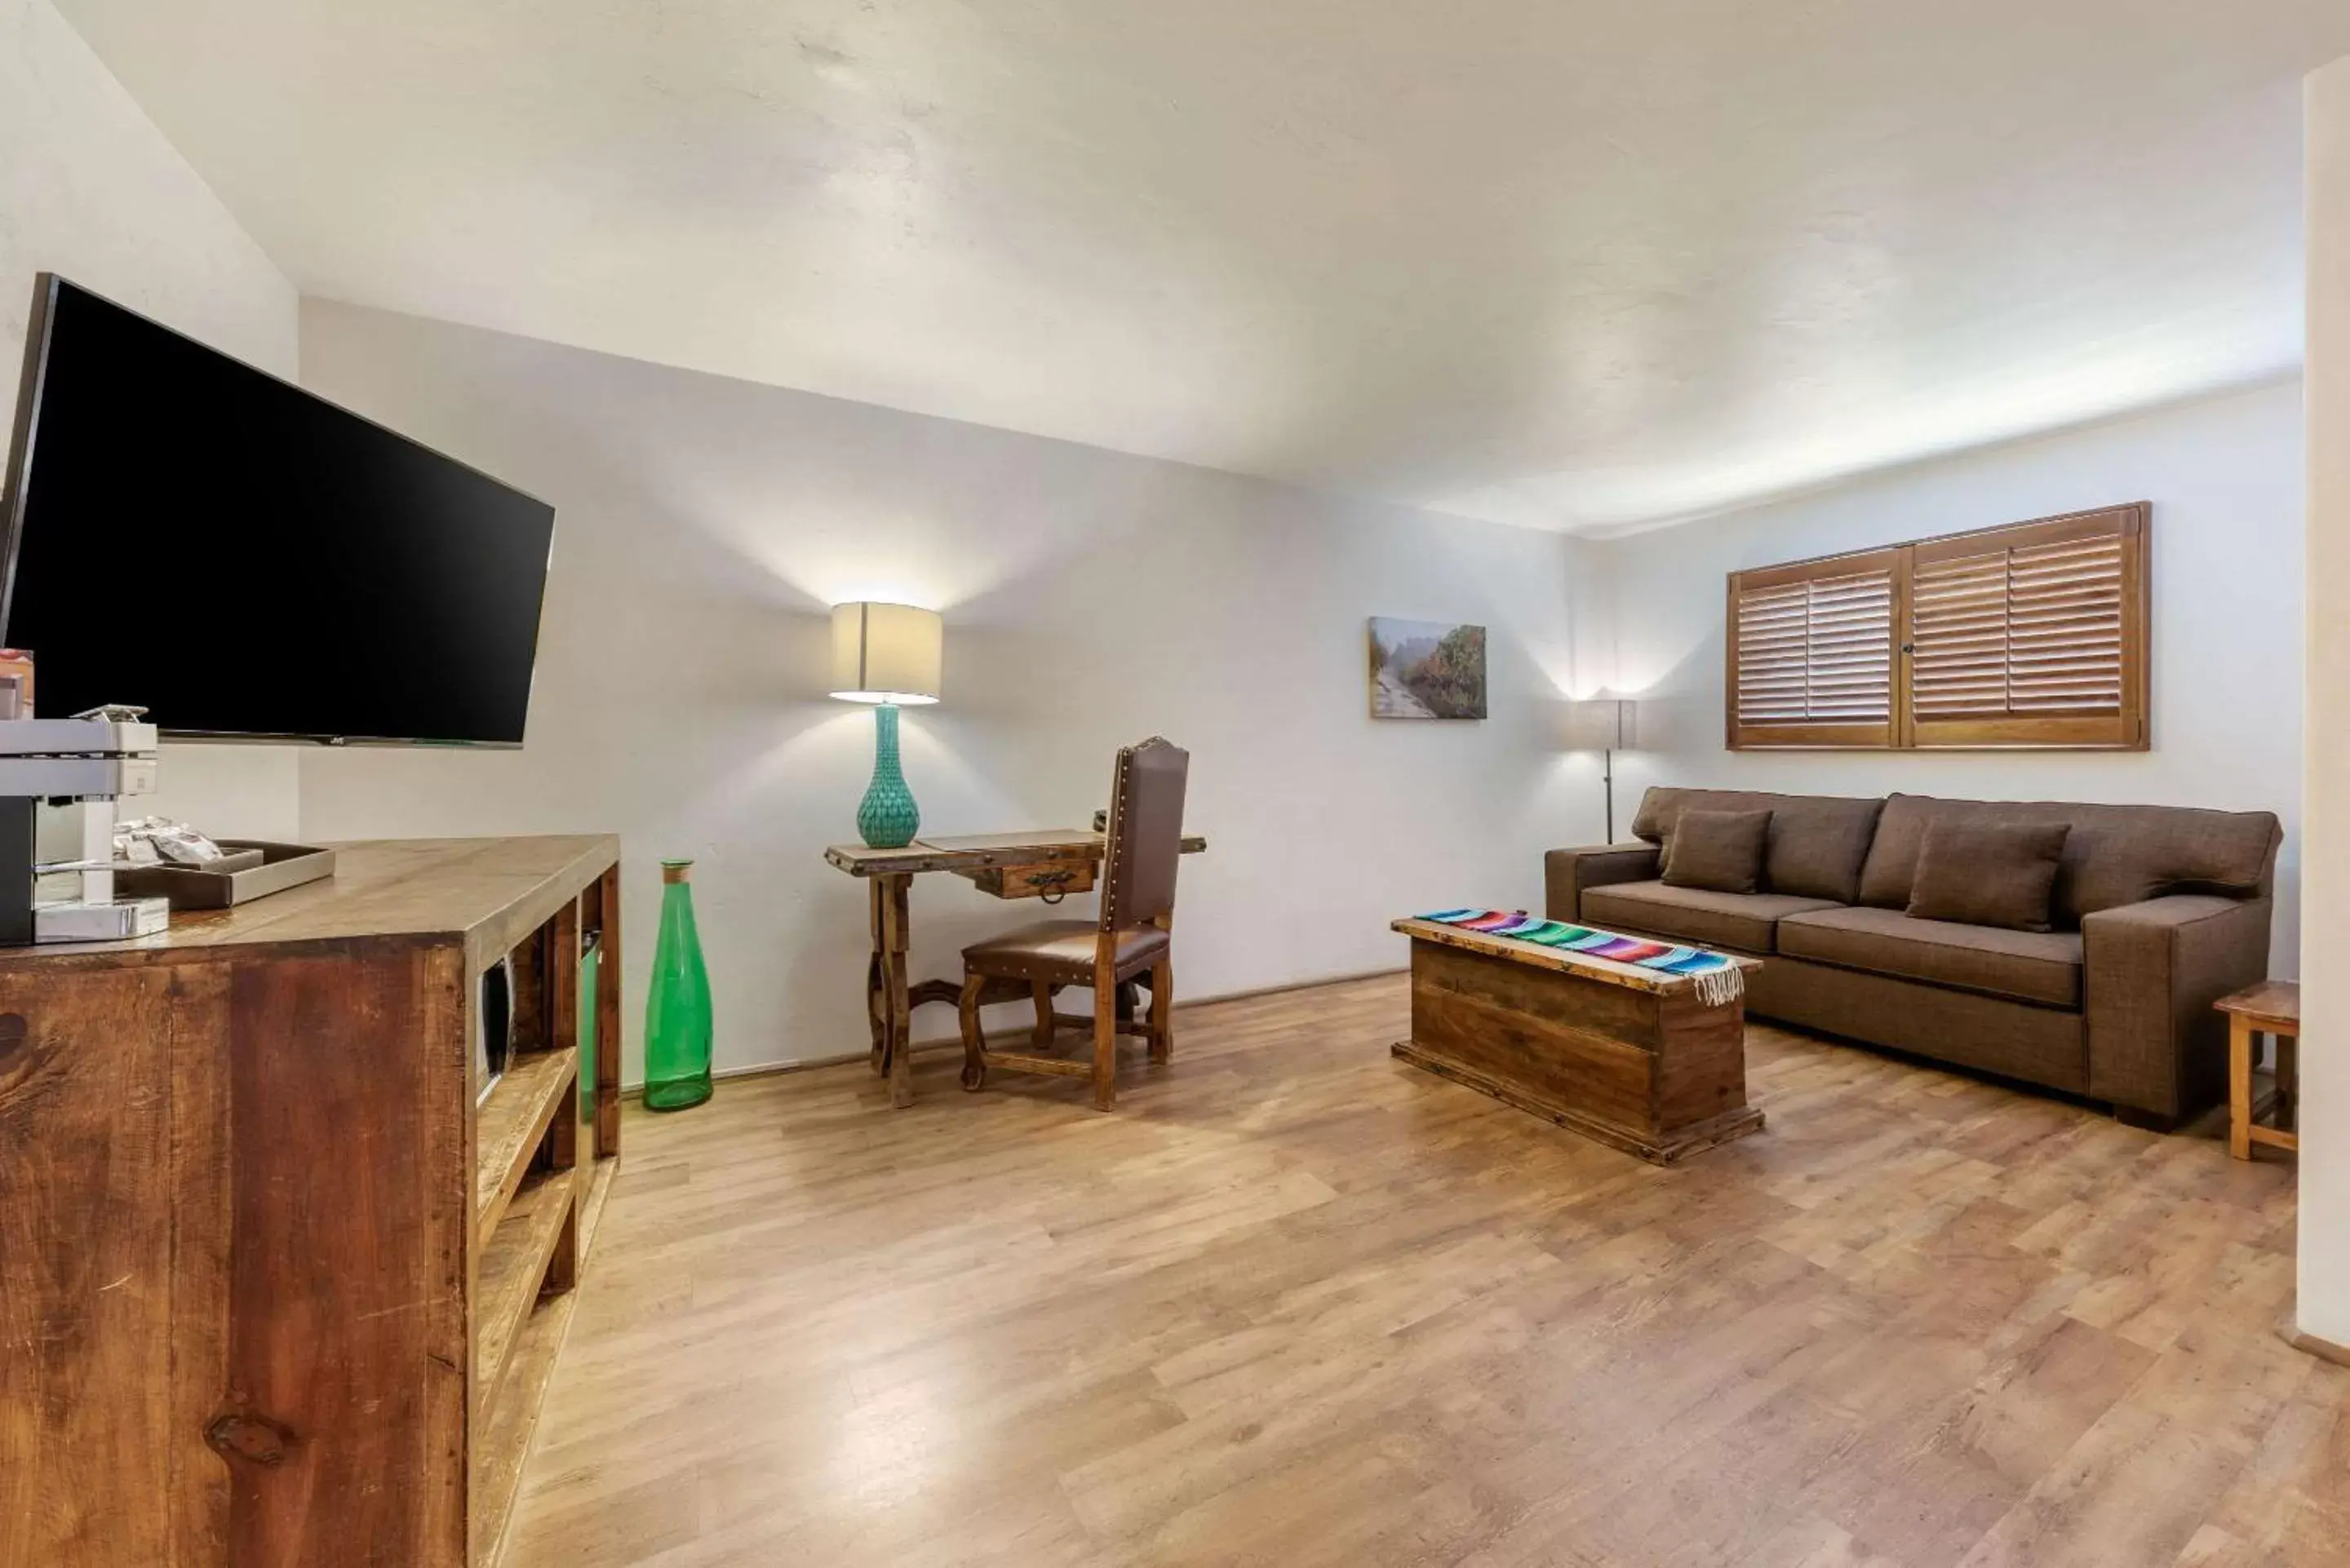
(1130,940)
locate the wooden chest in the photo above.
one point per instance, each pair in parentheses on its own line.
(1622,1055)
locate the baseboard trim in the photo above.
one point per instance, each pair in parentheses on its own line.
(2324,1349)
(1285,987)
(954,1042)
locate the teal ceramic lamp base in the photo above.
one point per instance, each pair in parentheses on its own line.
(886,818)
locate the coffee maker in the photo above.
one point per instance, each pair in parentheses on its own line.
(94,759)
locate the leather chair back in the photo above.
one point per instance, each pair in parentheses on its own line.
(1146,834)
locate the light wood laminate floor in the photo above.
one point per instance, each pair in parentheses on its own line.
(1296,1303)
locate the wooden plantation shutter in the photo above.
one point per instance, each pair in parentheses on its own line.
(1811,653)
(2032,635)
(2029,634)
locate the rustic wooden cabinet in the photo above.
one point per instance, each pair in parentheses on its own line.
(279,1285)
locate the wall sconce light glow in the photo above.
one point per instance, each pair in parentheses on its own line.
(887,653)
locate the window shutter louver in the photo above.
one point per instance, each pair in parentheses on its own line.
(1851,654)
(1774,642)
(2065,627)
(2031,635)
(1958,621)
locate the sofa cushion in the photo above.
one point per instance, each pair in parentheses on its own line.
(1988,873)
(1722,850)
(2114,855)
(2027,965)
(1740,920)
(1817,842)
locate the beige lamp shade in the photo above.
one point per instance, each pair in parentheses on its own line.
(887,653)
(1600,724)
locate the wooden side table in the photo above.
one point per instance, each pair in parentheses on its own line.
(2272,1008)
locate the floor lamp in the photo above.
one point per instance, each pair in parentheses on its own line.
(1602,725)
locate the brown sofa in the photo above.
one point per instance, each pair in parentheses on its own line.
(2159,911)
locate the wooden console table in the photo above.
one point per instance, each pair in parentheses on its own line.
(280,1285)
(1048,865)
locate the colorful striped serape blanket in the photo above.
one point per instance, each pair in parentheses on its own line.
(1719,978)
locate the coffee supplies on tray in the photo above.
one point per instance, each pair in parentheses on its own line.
(158,841)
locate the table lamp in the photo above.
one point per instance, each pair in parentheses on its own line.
(1602,725)
(887,655)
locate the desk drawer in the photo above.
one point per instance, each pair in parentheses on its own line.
(1036,881)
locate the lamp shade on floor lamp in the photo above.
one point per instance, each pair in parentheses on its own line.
(1602,725)
(887,655)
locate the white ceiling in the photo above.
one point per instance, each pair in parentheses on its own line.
(1579,264)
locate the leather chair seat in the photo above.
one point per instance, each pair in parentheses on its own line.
(1061,950)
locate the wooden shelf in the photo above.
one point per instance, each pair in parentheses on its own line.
(501,1441)
(514,1271)
(511,1123)
(512,1392)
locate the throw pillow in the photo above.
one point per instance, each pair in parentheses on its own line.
(1988,873)
(1721,851)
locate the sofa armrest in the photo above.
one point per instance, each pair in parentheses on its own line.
(1567,872)
(2150,974)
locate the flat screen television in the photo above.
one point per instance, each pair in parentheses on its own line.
(243,559)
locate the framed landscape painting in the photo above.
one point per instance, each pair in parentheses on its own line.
(1427,669)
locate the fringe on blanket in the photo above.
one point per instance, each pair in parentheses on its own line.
(1721,987)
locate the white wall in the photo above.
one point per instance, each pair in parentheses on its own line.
(2225,476)
(1092,598)
(89,189)
(2325,1301)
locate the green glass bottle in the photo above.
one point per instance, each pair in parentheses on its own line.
(677,1010)
(886,818)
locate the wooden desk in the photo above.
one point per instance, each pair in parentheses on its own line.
(2272,1008)
(1049,864)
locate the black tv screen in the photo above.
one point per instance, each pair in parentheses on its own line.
(239,557)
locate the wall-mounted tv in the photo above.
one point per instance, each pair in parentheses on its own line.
(243,559)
